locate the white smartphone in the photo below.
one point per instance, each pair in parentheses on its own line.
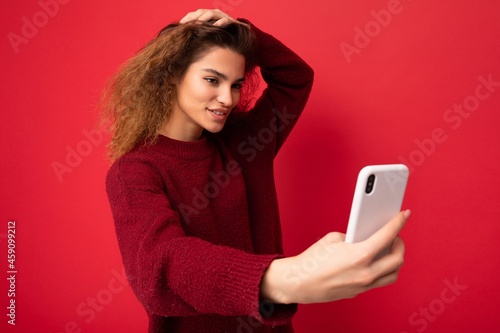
(377,198)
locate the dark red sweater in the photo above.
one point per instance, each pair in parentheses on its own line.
(197,222)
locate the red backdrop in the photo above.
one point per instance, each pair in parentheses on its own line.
(396,81)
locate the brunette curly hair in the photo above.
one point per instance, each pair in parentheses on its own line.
(138,100)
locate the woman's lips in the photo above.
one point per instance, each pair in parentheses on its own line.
(218,113)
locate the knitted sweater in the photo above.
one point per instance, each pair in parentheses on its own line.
(197,222)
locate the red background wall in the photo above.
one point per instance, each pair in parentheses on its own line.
(388,97)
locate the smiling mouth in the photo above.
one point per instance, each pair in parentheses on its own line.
(218,113)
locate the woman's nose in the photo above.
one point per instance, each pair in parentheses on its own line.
(225,97)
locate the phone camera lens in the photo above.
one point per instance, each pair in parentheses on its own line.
(369,184)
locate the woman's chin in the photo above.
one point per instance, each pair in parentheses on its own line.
(214,128)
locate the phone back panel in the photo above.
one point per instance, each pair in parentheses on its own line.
(370,211)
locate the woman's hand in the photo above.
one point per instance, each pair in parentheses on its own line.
(331,269)
(219,18)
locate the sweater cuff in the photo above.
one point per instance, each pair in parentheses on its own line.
(251,269)
(228,279)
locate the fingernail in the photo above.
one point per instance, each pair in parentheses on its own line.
(407,213)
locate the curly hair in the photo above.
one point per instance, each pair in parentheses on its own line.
(138,100)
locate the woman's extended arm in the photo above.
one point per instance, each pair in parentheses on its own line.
(331,269)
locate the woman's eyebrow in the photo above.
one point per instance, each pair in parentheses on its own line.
(221,75)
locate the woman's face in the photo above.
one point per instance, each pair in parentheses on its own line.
(207,93)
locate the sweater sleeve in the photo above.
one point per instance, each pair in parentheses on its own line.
(289,82)
(171,273)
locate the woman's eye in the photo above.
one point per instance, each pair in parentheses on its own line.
(237,86)
(211,80)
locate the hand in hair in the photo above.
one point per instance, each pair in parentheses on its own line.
(219,18)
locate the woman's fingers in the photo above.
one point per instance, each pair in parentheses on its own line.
(392,261)
(206,15)
(194,16)
(386,235)
(223,22)
(385,280)
(214,14)
(188,17)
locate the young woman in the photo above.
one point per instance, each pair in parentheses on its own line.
(192,188)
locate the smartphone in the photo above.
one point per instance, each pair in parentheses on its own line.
(377,198)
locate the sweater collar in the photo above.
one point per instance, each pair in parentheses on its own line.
(194,150)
